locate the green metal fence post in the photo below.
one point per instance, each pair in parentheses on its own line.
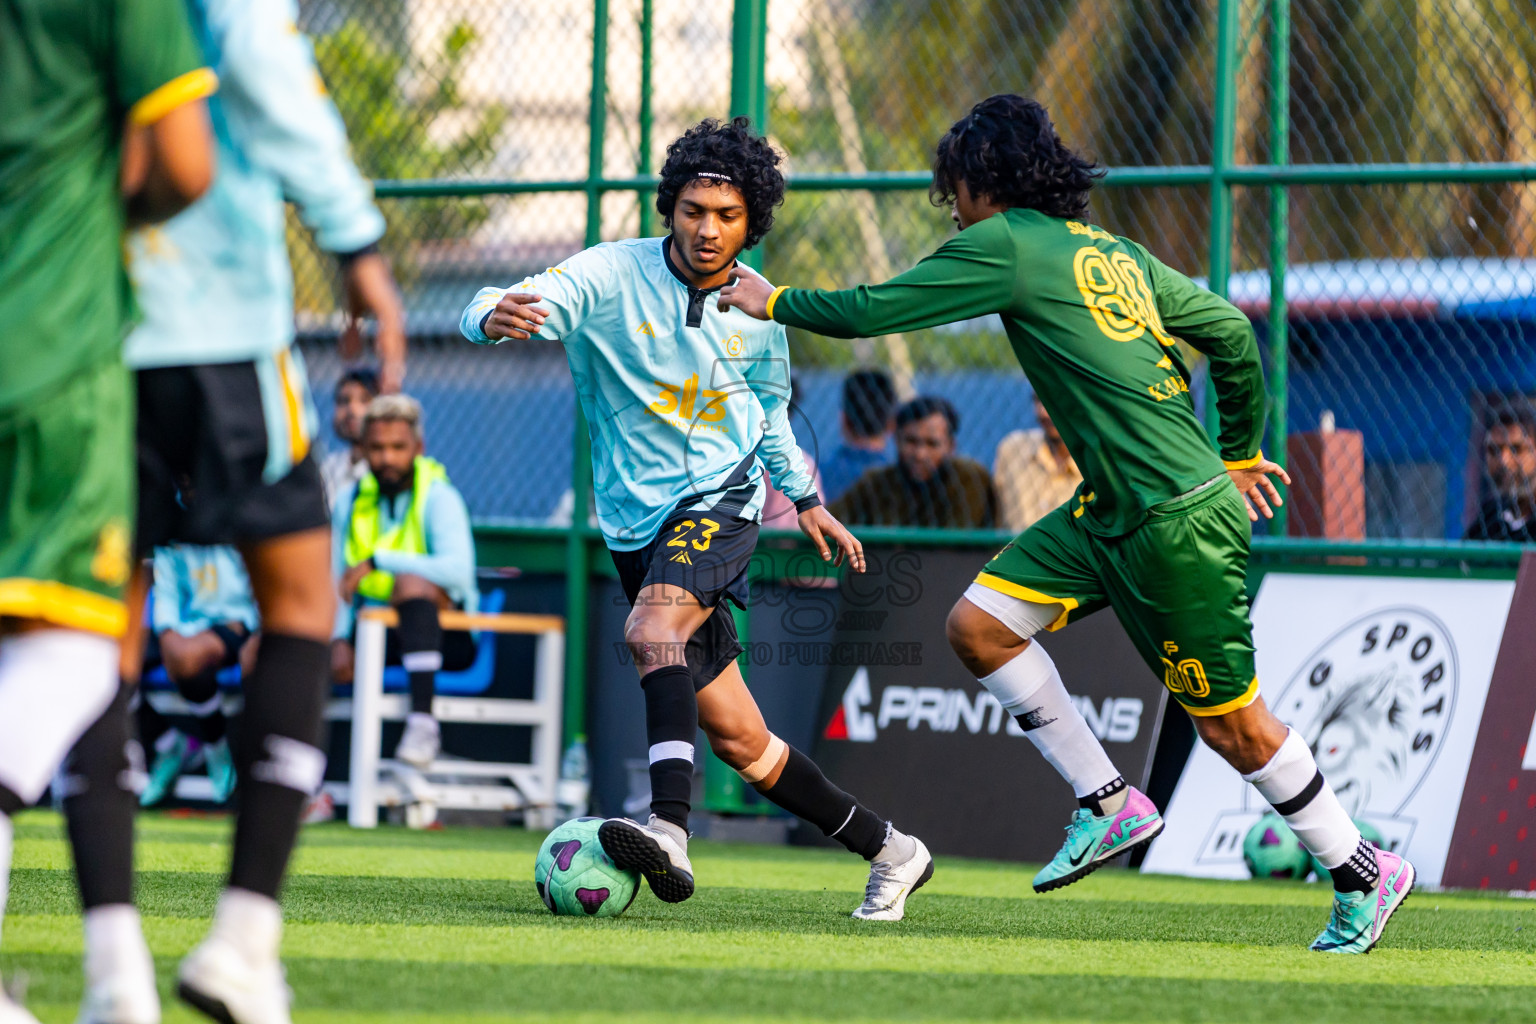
(577,569)
(1279,237)
(647,119)
(1223,132)
(724,792)
(749,70)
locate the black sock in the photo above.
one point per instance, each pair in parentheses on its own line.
(805,792)
(421,649)
(99,803)
(1358,874)
(1094,801)
(280,757)
(202,692)
(671,717)
(151,723)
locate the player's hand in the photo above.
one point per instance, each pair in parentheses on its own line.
(341,662)
(354,576)
(516,316)
(821,526)
(747,291)
(370,291)
(1258,490)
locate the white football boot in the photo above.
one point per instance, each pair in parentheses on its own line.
(119,972)
(234,976)
(652,850)
(421,742)
(892,881)
(13,1012)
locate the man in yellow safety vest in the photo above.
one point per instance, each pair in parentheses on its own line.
(402,538)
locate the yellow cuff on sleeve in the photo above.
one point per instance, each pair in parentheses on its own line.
(781,289)
(1245,463)
(194,85)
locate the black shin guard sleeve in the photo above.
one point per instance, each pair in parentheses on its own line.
(805,792)
(420,632)
(280,757)
(671,716)
(199,690)
(99,806)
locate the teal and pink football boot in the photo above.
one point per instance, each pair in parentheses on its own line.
(1359,918)
(1092,840)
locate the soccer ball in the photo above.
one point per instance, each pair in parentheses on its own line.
(574,876)
(1368,832)
(1271,850)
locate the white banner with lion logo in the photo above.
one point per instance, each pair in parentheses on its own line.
(1385,678)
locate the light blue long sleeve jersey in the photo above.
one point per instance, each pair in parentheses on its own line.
(214,282)
(450,558)
(685,404)
(196,587)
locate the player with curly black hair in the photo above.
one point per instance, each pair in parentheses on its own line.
(724,153)
(687,406)
(1159,528)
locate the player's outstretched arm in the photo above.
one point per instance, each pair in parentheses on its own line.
(370,291)
(749,292)
(821,526)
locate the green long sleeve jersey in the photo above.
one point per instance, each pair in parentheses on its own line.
(1093,319)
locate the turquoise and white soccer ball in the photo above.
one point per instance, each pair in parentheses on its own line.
(574,876)
(1271,850)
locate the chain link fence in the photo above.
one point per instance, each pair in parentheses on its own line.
(1355,174)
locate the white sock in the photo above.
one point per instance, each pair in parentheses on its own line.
(250,922)
(1030,689)
(5,863)
(114,943)
(1298,792)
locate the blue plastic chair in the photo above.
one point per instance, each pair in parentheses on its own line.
(472,681)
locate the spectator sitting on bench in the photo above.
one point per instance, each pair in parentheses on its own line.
(204,621)
(342,468)
(402,538)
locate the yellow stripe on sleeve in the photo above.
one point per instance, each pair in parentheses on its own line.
(781,289)
(183,89)
(1245,463)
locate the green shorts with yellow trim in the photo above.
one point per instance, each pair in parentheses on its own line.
(66,495)
(1177,582)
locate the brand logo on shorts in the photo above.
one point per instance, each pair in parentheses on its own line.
(1374,702)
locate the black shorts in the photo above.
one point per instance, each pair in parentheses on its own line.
(205,441)
(708,556)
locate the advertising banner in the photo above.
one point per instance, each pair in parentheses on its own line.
(910,731)
(1385,678)
(1495,841)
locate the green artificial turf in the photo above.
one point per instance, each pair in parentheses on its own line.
(415,928)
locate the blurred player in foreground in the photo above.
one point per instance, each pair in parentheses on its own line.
(224,442)
(72,75)
(687,405)
(1158,530)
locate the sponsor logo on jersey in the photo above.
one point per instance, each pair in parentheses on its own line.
(951,710)
(689,407)
(646,328)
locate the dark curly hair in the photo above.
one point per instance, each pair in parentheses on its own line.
(714,148)
(1007,150)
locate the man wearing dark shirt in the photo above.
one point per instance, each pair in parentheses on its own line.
(1509,454)
(929,485)
(864,432)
